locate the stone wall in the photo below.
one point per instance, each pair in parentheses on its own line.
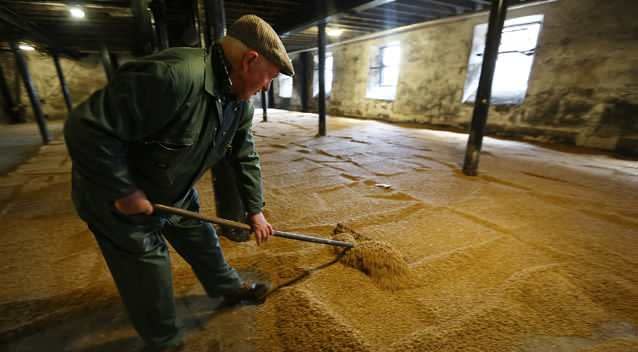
(83,77)
(583,88)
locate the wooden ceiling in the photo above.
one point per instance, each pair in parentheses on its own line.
(120,24)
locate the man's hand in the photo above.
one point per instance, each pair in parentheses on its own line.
(134,204)
(262,229)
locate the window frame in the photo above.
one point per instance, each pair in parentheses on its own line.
(500,94)
(315,74)
(378,69)
(280,78)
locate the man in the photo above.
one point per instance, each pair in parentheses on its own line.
(146,138)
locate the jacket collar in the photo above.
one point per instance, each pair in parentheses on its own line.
(216,73)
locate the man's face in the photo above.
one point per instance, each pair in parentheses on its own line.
(254,74)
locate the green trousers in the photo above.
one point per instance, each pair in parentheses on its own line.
(140,265)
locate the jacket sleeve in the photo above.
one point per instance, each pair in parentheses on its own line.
(138,102)
(246,163)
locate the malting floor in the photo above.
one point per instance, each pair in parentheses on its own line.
(537,253)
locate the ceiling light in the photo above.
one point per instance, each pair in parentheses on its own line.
(334,32)
(26,47)
(76,12)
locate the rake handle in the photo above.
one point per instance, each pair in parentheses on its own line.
(241,226)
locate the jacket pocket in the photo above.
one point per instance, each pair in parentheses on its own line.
(158,161)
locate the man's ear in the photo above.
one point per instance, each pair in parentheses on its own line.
(249,58)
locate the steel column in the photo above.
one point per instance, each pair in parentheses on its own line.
(10,107)
(304,75)
(33,93)
(198,23)
(143,27)
(321,98)
(215,20)
(63,86)
(158,7)
(264,104)
(271,96)
(115,62)
(498,12)
(105,58)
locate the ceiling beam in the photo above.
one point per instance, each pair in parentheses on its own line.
(399,13)
(361,25)
(371,5)
(395,16)
(348,28)
(424,9)
(324,11)
(382,22)
(32,32)
(464,4)
(113,5)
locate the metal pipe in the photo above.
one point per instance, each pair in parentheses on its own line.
(33,93)
(321,98)
(498,12)
(63,86)
(264,104)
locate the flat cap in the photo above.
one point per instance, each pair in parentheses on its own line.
(258,35)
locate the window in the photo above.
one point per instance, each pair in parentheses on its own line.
(327,72)
(514,62)
(384,71)
(285,86)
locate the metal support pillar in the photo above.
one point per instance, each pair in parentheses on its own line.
(215,27)
(115,62)
(105,57)
(498,12)
(321,98)
(225,185)
(158,7)
(304,74)
(264,104)
(33,93)
(198,20)
(143,27)
(63,86)
(10,107)
(271,96)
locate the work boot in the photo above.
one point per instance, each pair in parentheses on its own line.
(235,235)
(249,293)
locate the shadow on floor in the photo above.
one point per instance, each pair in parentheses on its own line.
(104,327)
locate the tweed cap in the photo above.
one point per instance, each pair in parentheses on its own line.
(258,35)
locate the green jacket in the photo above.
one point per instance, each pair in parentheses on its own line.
(158,126)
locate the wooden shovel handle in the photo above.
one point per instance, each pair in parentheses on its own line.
(238,225)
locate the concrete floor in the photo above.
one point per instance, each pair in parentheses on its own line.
(535,254)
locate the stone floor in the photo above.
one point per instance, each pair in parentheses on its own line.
(537,253)
(19,142)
